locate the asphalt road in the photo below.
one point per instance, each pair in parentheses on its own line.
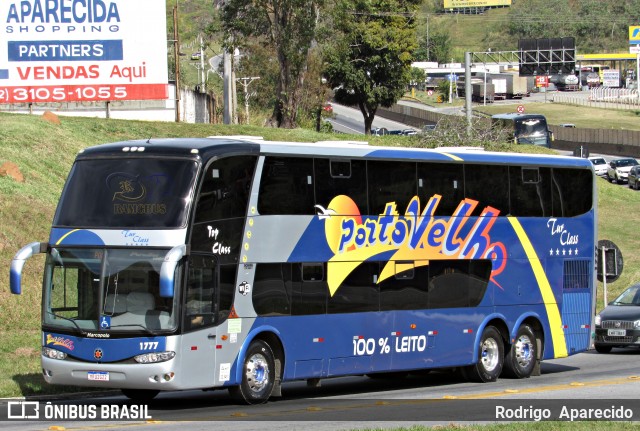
(587,380)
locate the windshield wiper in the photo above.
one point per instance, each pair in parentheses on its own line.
(147,330)
(80,330)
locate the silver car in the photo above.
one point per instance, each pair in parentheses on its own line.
(618,170)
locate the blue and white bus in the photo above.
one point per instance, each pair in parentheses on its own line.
(238,263)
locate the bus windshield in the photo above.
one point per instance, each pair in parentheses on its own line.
(91,289)
(531,130)
(144,192)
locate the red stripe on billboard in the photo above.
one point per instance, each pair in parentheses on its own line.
(83,93)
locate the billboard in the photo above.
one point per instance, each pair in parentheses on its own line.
(452,4)
(82,50)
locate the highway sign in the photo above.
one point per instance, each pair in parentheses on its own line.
(520,109)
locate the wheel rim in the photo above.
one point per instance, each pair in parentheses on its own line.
(257,372)
(524,351)
(490,355)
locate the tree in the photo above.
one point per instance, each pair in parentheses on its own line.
(368,64)
(290,27)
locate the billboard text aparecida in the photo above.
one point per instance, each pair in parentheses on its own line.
(82,50)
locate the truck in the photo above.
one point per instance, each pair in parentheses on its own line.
(510,85)
(567,82)
(482,92)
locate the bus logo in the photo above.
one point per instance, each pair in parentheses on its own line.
(414,235)
(97,354)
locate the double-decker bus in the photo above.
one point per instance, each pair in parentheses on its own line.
(238,263)
(531,129)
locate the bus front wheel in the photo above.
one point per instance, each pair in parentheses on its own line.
(258,374)
(521,358)
(490,357)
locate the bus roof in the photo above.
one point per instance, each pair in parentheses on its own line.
(207,148)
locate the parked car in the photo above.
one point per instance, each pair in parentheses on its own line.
(599,165)
(429,128)
(409,132)
(618,169)
(379,131)
(618,325)
(633,179)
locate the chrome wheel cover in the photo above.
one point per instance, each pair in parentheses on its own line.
(524,351)
(257,372)
(490,354)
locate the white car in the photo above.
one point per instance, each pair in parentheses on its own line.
(599,165)
(618,170)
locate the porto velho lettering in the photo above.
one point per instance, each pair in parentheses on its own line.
(62,11)
(417,230)
(416,235)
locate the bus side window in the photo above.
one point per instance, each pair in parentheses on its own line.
(444,179)
(308,296)
(391,182)
(489,185)
(457,283)
(286,186)
(270,289)
(407,290)
(571,192)
(225,189)
(359,292)
(200,295)
(332,178)
(530,191)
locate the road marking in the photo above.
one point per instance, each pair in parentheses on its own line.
(551,388)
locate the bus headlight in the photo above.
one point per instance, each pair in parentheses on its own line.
(53,353)
(151,358)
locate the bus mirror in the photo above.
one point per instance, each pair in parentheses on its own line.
(168,269)
(15,280)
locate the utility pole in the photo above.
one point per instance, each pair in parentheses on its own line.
(203,88)
(227,88)
(176,53)
(245,84)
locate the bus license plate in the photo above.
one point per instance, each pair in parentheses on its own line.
(102,376)
(616,332)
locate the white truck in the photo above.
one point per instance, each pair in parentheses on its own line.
(510,85)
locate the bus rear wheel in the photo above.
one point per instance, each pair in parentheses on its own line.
(140,395)
(490,357)
(521,358)
(258,375)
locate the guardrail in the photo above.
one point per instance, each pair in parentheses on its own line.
(602,97)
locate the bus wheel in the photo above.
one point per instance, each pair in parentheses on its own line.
(141,395)
(521,358)
(258,374)
(490,356)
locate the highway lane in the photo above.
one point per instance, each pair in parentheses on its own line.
(588,379)
(349,120)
